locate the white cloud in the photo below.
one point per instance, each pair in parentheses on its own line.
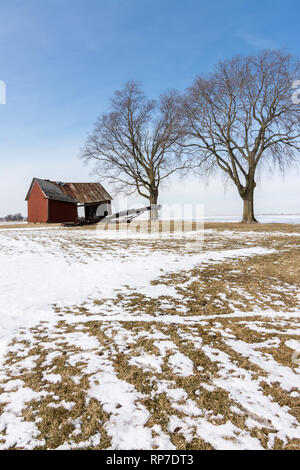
(257,41)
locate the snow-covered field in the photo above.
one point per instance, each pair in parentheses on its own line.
(141,343)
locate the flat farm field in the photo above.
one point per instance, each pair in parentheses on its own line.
(124,339)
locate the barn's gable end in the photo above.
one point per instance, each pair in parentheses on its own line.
(37,205)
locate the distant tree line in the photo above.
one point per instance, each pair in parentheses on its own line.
(12,218)
(237,120)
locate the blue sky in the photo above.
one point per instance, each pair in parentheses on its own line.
(61,61)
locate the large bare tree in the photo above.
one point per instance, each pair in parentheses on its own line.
(242,116)
(135,145)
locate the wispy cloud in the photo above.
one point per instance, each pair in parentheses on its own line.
(257,41)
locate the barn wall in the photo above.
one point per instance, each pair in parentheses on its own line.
(37,205)
(62,212)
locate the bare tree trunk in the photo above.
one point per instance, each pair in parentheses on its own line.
(248,211)
(153,200)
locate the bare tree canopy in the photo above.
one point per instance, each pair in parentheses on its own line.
(135,145)
(242,116)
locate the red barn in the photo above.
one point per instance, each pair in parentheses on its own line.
(54,202)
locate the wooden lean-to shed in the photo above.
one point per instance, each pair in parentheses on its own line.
(54,202)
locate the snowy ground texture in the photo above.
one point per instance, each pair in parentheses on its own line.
(145,343)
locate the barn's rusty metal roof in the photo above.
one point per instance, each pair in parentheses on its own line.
(76,193)
(86,193)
